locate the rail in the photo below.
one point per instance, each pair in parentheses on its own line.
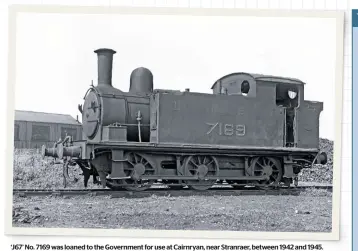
(168,192)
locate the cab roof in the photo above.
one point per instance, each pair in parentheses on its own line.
(263,77)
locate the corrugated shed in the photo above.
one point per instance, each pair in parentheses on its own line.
(43,117)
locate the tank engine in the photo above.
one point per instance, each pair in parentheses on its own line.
(253,129)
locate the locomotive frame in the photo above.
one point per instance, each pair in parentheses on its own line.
(257,130)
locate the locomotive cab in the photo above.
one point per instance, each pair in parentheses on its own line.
(288,96)
(300,118)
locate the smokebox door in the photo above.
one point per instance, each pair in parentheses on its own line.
(91,115)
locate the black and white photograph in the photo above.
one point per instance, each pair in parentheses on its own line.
(158,119)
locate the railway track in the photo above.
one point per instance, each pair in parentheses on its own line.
(219,191)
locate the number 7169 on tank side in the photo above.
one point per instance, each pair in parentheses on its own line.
(253,129)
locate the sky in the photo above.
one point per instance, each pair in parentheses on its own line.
(56,63)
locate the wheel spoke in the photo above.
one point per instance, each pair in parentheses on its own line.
(263,166)
(133,164)
(261,161)
(193,172)
(192,162)
(199,160)
(135,158)
(210,163)
(267,162)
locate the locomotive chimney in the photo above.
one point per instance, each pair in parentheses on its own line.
(105,63)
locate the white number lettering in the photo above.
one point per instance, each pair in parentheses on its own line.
(226,129)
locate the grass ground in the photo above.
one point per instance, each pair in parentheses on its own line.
(31,171)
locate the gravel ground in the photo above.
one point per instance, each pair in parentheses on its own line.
(307,212)
(320,173)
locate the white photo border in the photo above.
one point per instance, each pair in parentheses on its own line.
(338,15)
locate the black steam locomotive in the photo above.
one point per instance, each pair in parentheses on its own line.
(254,129)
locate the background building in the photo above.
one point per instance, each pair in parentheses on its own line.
(34,129)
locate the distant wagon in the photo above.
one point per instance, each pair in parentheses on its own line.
(34,129)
